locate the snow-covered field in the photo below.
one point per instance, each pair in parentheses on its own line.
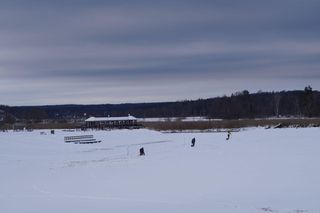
(258,170)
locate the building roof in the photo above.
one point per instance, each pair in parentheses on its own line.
(126,118)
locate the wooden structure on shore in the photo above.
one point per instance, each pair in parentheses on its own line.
(112,122)
(81,139)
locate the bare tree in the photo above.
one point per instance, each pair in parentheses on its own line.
(277,99)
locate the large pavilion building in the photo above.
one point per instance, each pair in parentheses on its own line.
(112,122)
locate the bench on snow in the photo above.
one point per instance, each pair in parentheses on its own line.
(81,139)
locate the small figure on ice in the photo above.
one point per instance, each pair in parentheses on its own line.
(193,142)
(142,151)
(229,135)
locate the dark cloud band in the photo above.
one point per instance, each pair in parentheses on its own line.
(123,46)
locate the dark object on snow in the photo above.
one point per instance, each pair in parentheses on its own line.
(52,132)
(142,151)
(193,141)
(228,136)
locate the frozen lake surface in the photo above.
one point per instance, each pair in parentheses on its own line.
(257,170)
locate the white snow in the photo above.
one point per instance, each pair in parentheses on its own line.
(257,170)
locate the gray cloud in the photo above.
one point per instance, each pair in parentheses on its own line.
(131,51)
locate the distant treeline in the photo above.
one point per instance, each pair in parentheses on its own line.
(239,105)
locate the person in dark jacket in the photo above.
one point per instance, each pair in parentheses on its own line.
(193,142)
(142,151)
(228,136)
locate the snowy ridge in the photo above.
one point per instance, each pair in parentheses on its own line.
(182,119)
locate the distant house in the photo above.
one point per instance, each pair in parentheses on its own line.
(111,122)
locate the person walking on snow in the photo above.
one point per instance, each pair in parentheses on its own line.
(228,136)
(193,141)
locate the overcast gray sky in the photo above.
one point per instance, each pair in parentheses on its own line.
(81,52)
